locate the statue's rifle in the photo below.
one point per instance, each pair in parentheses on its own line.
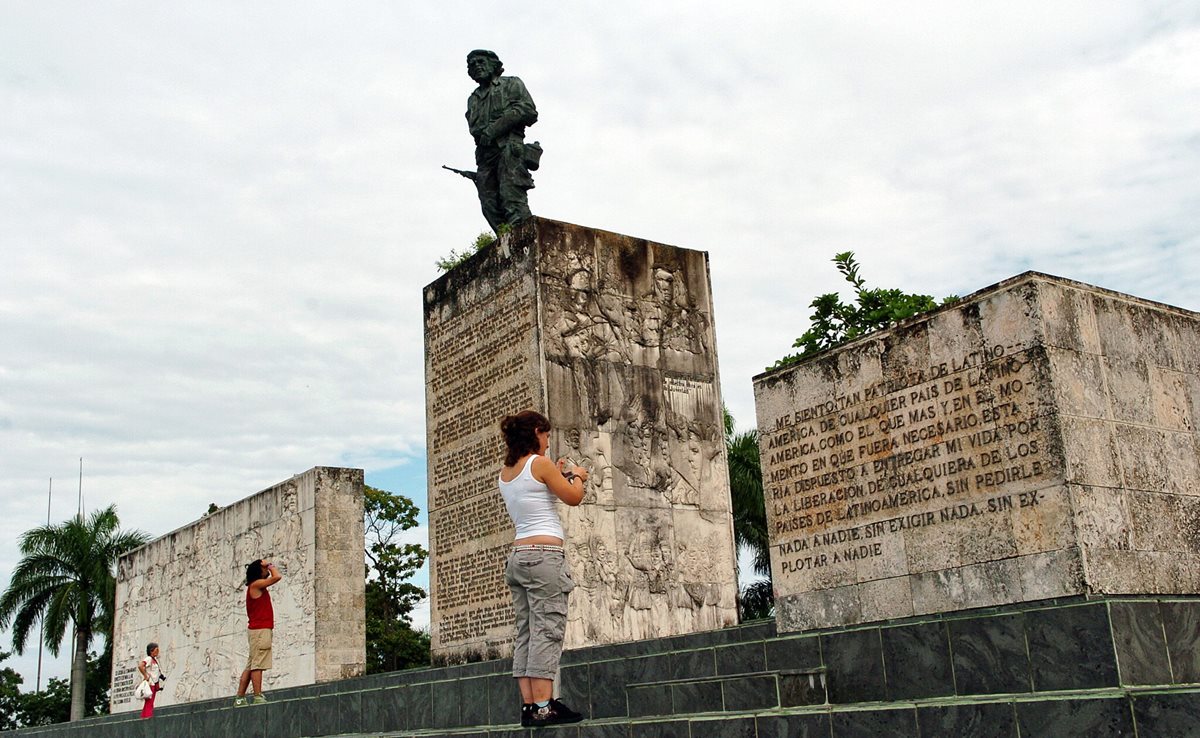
(468,175)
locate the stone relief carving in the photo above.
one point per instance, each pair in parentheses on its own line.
(630,342)
(620,355)
(185,591)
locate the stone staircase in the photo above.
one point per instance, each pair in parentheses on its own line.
(1078,667)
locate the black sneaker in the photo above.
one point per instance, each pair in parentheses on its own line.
(527,715)
(567,714)
(556,713)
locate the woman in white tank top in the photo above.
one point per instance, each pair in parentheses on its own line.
(536,572)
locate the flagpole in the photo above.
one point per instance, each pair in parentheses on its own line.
(42,621)
(80,516)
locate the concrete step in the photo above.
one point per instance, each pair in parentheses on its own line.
(1171,713)
(761,690)
(1127,662)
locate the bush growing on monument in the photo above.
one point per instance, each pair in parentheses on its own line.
(482,241)
(834,322)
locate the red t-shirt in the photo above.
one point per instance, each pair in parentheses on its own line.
(259,610)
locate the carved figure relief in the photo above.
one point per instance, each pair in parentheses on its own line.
(629,371)
(185,591)
(658,443)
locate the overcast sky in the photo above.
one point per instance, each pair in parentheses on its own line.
(216,218)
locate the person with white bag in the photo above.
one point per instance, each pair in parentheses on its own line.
(152,679)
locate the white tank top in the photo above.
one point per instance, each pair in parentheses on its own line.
(530,504)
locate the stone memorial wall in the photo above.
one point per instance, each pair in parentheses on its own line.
(186,592)
(1034,440)
(612,338)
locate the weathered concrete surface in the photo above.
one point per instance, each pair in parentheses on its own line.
(611,337)
(1035,440)
(185,591)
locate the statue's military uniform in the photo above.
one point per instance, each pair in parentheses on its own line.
(497,114)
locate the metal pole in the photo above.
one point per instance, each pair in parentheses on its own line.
(80,515)
(42,622)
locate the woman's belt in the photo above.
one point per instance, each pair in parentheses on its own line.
(539,547)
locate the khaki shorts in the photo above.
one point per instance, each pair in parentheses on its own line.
(260,649)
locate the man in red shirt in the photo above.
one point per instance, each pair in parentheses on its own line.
(259,575)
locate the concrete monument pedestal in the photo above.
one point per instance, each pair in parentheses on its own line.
(1035,440)
(186,591)
(612,338)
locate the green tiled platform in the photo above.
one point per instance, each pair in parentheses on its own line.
(1080,667)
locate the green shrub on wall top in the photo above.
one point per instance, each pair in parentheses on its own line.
(834,322)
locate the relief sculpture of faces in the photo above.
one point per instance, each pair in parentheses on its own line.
(649,552)
(637,443)
(600,474)
(686,467)
(652,320)
(664,292)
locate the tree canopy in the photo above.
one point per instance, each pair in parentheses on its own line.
(10,696)
(65,577)
(52,703)
(834,322)
(756,599)
(392,643)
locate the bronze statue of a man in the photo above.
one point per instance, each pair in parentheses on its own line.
(497,113)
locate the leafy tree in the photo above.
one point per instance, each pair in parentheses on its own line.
(834,322)
(99,679)
(392,643)
(756,599)
(49,706)
(65,575)
(10,696)
(53,704)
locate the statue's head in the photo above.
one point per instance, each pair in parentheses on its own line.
(483,65)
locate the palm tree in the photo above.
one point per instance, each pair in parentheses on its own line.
(755,600)
(66,574)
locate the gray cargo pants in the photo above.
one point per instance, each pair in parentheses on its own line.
(540,582)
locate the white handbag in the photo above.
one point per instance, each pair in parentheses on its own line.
(143,691)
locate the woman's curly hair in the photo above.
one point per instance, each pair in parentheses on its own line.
(520,434)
